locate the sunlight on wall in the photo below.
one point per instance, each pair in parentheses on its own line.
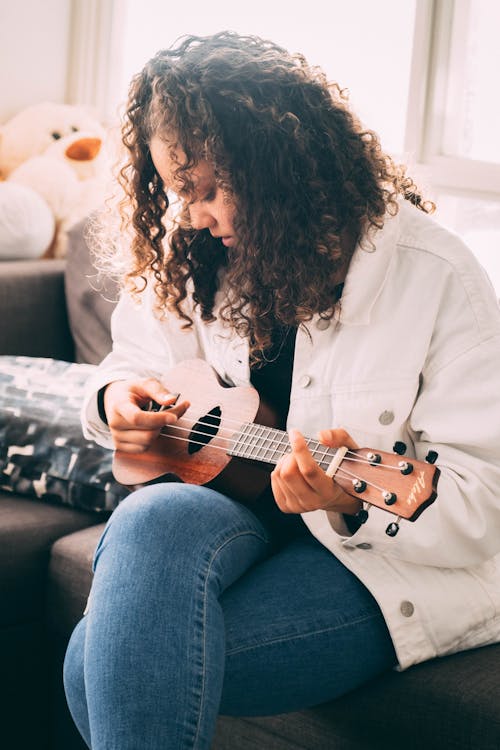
(366,47)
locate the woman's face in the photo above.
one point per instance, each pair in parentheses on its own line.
(208,206)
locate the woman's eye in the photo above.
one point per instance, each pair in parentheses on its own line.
(209,197)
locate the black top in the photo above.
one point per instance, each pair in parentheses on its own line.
(273,377)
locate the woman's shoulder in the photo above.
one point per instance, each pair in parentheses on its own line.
(424,235)
(435,259)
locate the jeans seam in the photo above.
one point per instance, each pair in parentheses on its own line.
(207,574)
(300,636)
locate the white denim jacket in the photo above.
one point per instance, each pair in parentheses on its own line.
(413,355)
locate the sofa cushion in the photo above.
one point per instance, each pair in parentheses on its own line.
(70,577)
(33,310)
(43,453)
(27,531)
(90,299)
(444,704)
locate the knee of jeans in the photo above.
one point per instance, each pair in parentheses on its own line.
(73,670)
(174,509)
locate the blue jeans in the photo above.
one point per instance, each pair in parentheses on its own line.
(200,606)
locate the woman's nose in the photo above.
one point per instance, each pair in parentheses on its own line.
(200,217)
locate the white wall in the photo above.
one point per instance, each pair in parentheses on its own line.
(34,40)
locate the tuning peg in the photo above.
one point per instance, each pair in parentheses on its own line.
(362,515)
(399,447)
(405,467)
(393,528)
(358,485)
(431,457)
(389,497)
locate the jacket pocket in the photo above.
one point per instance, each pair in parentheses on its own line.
(376,414)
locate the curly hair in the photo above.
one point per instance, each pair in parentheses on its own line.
(297,164)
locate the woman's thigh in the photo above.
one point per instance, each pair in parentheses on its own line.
(300,630)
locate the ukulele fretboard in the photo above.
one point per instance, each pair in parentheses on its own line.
(267,444)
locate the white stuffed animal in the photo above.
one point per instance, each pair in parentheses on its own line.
(27,223)
(58,150)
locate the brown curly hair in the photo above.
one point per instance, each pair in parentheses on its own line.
(299,167)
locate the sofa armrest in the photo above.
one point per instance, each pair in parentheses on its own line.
(33,315)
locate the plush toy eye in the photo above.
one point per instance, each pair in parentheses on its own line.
(55,135)
(74,129)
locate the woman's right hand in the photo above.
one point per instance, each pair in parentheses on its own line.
(133,429)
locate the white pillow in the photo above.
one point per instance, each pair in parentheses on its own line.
(27,223)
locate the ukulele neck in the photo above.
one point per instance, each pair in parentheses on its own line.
(255,442)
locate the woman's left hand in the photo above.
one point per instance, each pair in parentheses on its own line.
(299,484)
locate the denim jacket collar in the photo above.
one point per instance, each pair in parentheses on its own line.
(370,263)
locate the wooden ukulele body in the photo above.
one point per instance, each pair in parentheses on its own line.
(177,454)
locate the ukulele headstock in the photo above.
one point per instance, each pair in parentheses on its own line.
(395,483)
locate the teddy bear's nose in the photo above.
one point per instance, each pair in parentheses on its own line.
(85,149)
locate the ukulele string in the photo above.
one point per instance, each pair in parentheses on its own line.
(273,444)
(347,474)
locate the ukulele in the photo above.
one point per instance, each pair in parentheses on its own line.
(227,441)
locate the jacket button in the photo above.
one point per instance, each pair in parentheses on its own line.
(304,381)
(364,545)
(386,417)
(407,609)
(322,324)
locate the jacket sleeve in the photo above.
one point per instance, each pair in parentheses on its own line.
(457,414)
(143,346)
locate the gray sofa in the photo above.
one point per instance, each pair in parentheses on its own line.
(45,556)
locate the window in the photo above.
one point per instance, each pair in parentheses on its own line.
(421,73)
(456,120)
(355,43)
(471,124)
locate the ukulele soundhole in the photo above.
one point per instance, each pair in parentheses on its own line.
(204,430)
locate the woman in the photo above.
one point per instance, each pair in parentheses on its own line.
(297,261)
